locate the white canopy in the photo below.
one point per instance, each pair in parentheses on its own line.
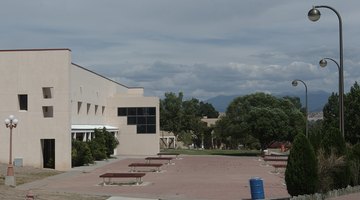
(91,127)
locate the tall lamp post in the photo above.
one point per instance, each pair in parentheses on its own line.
(323,63)
(314,15)
(10,122)
(295,83)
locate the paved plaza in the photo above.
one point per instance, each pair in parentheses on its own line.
(188,178)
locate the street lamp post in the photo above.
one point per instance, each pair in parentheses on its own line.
(323,63)
(295,83)
(314,15)
(10,123)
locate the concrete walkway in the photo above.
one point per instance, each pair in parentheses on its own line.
(190,178)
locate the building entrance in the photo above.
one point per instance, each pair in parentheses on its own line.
(48,151)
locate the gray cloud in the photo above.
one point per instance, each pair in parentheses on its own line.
(203,48)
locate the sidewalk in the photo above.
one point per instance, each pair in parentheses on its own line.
(190,178)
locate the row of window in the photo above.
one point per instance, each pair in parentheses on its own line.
(88,108)
(143,117)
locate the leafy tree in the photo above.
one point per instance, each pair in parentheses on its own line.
(315,134)
(331,112)
(183,117)
(301,171)
(207,109)
(352,114)
(264,117)
(171,113)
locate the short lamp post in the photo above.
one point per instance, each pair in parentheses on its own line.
(11,122)
(314,15)
(295,83)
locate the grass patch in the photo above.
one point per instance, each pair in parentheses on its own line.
(214,152)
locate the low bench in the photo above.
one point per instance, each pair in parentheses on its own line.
(278,165)
(109,176)
(272,158)
(149,159)
(155,165)
(168,154)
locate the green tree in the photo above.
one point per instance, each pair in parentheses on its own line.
(334,145)
(331,112)
(207,109)
(171,113)
(301,171)
(352,114)
(264,117)
(183,117)
(111,142)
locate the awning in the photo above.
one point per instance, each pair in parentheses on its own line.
(91,127)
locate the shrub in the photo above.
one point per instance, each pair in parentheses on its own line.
(334,143)
(81,154)
(301,171)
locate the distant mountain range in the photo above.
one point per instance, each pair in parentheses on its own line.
(316,100)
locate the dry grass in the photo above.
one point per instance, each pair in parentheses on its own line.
(30,174)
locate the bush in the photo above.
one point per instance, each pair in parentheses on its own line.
(334,143)
(81,154)
(301,171)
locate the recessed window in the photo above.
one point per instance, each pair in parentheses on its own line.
(102,110)
(47,92)
(23,101)
(88,108)
(96,109)
(48,111)
(79,107)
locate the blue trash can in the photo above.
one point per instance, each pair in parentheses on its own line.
(257,188)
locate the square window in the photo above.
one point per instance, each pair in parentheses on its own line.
(141,128)
(47,92)
(132,111)
(141,120)
(131,120)
(23,101)
(151,120)
(48,111)
(140,111)
(122,111)
(151,128)
(152,111)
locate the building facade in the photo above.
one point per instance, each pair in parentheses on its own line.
(56,101)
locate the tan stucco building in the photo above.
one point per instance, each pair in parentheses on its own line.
(56,101)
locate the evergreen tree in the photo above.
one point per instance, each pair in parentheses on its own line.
(301,171)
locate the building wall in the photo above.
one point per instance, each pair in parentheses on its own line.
(92,89)
(27,72)
(130,142)
(55,87)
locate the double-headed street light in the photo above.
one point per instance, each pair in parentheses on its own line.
(295,83)
(314,15)
(10,123)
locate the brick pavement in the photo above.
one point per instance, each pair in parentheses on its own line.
(191,178)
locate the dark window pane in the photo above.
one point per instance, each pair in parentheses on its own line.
(141,128)
(131,120)
(131,111)
(140,111)
(23,101)
(152,111)
(141,120)
(122,111)
(151,120)
(151,128)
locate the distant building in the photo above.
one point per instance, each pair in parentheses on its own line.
(314,116)
(56,101)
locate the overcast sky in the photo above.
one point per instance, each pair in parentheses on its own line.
(203,48)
